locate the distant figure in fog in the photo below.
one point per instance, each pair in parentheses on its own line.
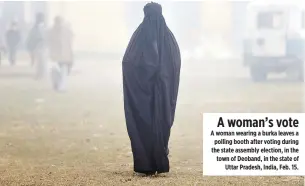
(151,73)
(61,52)
(36,44)
(1,41)
(12,37)
(2,46)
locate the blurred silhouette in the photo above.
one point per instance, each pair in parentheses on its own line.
(1,40)
(151,73)
(60,48)
(36,44)
(2,47)
(12,41)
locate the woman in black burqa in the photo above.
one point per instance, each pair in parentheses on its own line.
(151,73)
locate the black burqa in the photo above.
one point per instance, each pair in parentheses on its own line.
(151,73)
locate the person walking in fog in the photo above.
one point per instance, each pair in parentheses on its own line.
(12,41)
(36,44)
(2,47)
(151,75)
(61,52)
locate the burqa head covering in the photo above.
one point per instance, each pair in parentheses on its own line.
(152,9)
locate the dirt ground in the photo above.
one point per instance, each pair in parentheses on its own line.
(79,137)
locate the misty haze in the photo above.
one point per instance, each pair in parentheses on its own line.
(78,136)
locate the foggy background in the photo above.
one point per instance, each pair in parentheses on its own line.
(79,137)
(106,27)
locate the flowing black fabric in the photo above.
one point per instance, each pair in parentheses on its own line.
(151,73)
